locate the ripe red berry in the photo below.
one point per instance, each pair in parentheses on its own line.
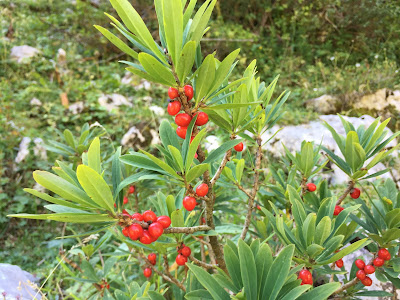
(149,216)
(258,207)
(125,231)
(360,264)
(137,217)
(189,203)
(355,193)
(174,107)
(305,276)
(173,93)
(165,221)
(146,238)
(361,274)
(156,230)
(125,213)
(115,205)
(131,189)
(378,262)
(367,281)
(188,92)
(202,190)
(152,257)
(181,260)
(202,119)
(311,187)
(147,272)
(239,147)
(383,253)
(181,132)
(183,120)
(186,251)
(388,257)
(368,269)
(108,286)
(338,210)
(126,200)
(339,263)
(135,231)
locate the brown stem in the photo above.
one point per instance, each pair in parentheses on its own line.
(187,230)
(303,187)
(250,204)
(346,192)
(243,190)
(136,201)
(202,263)
(221,167)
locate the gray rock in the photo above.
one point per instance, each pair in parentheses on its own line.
(315,131)
(76,108)
(23,54)
(16,283)
(325,104)
(113,101)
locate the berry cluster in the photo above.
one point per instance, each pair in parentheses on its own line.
(146,227)
(105,285)
(183,253)
(152,257)
(383,255)
(189,202)
(306,277)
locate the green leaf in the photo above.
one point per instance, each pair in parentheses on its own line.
(193,148)
(233,265)
(162,165)
(248,270)
(205,77)
(263,264)
(200,21)
(94,155)
(177,156)
(96,187)
(351,248)
(221,150)
(88,270)
(52,199)
(69,138)
(173,27)
(196,172)
(239,170)
(157,70)
(373,294)
(278,273)
(314,249)
(63,188)
(321,292)
(186,60)
(323,230)
(68,217)
(135,24)
(309,228)
(117,42)
(296,292)
(177,218)
(168,135)
(211,285)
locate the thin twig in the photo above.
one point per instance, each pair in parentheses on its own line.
(254,191)
(346,192)
(187,230)
(221,167)
(202,263)
(243,190)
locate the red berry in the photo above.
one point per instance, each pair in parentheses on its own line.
(361,274)
(156,230)
(367,281)
(108,286)
(202,119)
(202,190)
(305,276)
(360,264)
(146,238)
(131,189)
(126,200)
(115,205)
(102,286)
(181,260)
(189,203)
(239,147)
(137,217)
(388,257)
(188,92)
(355,193)
(147,272)
(165,221)
(125,231)
(149,216)
(338,210)
(173,93)
(383,253)
(258,207)
(368,269)
(311,187)
(125,213)
(152,257)
(339,263)
(186,251)
(135,231)
(183,120)
(378,262)
(174,107)
(181,132)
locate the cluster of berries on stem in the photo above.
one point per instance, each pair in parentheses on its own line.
(146,227)
(189,202)
(305,276)
(364,270)
(183,253)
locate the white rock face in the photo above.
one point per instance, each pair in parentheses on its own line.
(76,108)
(23,54)
(16,283)
(211,143)
(113,101)
(23,150)
(325,104)
(157,110)
(315,131)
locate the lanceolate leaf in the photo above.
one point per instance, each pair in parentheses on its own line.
(94,155)
(248,270)
(156,69)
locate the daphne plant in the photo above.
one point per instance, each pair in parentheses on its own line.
(194,233)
